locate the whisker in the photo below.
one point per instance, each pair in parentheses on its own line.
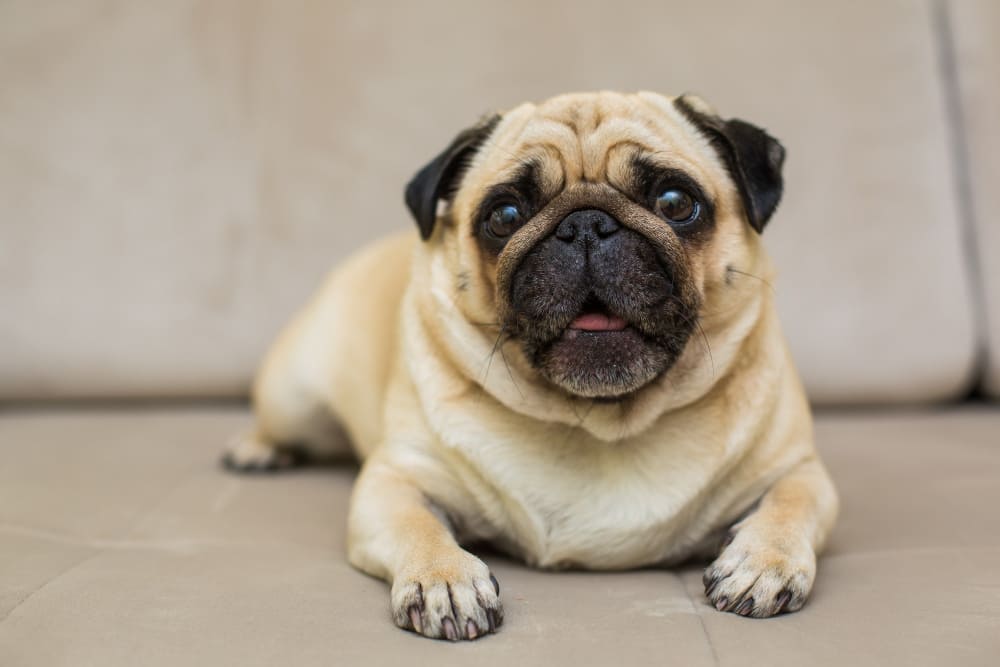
(695,321)
(708,346)
(509,373)
(484,376)
(730,269)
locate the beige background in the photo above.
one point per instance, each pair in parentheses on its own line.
(177,176)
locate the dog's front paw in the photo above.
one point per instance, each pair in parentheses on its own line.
(454,598)
(761,575)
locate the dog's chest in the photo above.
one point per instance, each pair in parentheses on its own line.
(599,506)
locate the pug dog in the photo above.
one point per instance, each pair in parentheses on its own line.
(578,361)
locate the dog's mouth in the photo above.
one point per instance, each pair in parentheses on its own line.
(595,317)
(599,353)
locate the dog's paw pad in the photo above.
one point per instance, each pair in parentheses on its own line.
(459,602)
(754,577)
(247,454)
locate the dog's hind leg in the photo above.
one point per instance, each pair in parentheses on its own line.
(326,374)
(293,419)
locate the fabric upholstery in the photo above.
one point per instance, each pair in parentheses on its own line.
(975,26)
(122,542)
(177,177)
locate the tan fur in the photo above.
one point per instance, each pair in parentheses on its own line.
(463,442)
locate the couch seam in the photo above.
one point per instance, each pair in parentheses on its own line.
(961,182)
(139,519)
(125,544)
(701,619)
(33,593)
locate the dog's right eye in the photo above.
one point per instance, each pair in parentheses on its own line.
(504,220)
(677,206)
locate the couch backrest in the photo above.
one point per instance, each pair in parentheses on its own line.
(974,30)
(177,177)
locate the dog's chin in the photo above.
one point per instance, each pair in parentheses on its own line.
(602,364)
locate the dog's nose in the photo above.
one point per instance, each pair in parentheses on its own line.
(589,226)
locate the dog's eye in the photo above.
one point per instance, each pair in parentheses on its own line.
(504,220)
(677,206)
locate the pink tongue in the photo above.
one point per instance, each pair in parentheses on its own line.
(598,322)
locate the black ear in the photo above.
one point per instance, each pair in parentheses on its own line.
(752,156)
(440,177)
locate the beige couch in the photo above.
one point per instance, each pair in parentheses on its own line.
(175,177)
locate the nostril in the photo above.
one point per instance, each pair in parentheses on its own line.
(605,226)
(566,231)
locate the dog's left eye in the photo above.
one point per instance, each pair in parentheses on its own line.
(677,206)
(504,220)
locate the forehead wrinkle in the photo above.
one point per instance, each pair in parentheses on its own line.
(552,171)
(558,140)
(599,144)
(548,167)
(621,161)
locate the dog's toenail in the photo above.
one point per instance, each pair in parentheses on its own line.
(449,629)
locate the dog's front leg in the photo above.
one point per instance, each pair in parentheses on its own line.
(769,563)
(394,533)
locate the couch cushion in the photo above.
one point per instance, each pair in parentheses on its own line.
(121,539)
(177,177)
(975,29)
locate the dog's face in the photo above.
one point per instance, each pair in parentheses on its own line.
(596,230)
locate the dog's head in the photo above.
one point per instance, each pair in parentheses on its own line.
(595,230)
